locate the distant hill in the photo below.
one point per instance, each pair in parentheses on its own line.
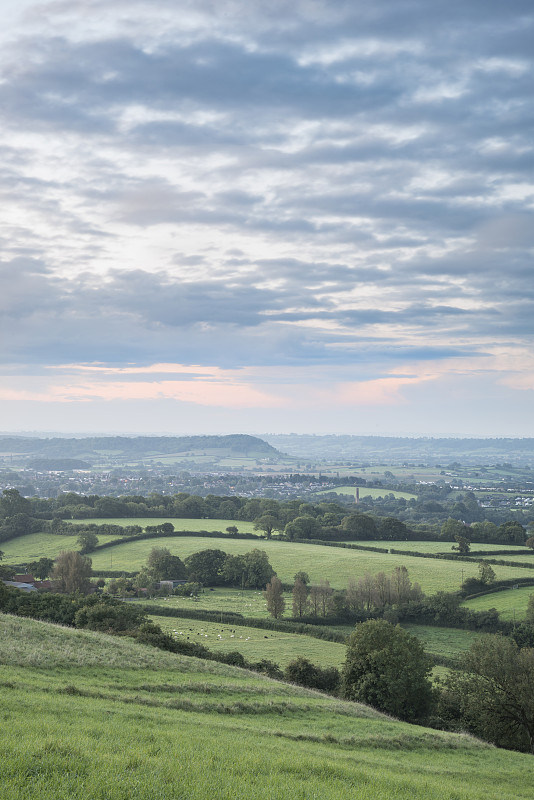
(124,448)
(397,449)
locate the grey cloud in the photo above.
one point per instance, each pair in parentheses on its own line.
(330,161)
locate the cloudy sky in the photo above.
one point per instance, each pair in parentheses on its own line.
(244,216)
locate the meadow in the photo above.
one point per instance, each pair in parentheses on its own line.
(510,603)
(180,524)
(41,545)
(448,642)
(331,563)
(440,547)
(248,602)
(368,491)
(255,643)
(148,724)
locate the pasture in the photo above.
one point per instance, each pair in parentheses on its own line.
(321,563)
(368,491)
(510,603)
(437,547)
(248,602)
(448,642)
(41,545)
(180,524)
(176,728)
(255,643)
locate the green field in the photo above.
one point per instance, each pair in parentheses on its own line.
(248,602)
(76,725)
(209,525)
(437,547)
(448,642)
(369,491)
(331,563)
(510,603)
(523,556)
(255,643)
(40,545)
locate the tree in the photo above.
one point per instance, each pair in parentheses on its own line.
(257,569)
(87,541)
(40,569)
(303,527)
(302,576)
(300,598)
(275,598)
(530,610)
(71,572)
(266,523)
(12,503)
(462,545)
(163,566)
(250,570)
(391,528)
(486,573)
(305,673)
(530,542)
(493,693)
(512,532)
(452,528)
(232,529)
(206,567)
(387,668)
(359,526)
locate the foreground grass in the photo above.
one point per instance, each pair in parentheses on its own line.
(169,727)
(332,563)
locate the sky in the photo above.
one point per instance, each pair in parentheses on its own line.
(312,216)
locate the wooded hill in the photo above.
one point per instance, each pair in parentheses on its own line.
(124,448)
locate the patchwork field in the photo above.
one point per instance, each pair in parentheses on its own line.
(447,642)
(331,563)
(510,603)
(440,547)
(85,715)
(369,491)
(40,545)
(180,524)
(248,602)
(255,643)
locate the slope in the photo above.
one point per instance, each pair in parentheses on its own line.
(85,715)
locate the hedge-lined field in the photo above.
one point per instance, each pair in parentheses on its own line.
(255,643)
(248,602)
(180,524)
(510,603)
(446,642)
(175,728)
(370,492)
(41,545)
(442,547)
(331,563)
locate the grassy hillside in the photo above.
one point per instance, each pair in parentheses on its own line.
(89,716)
